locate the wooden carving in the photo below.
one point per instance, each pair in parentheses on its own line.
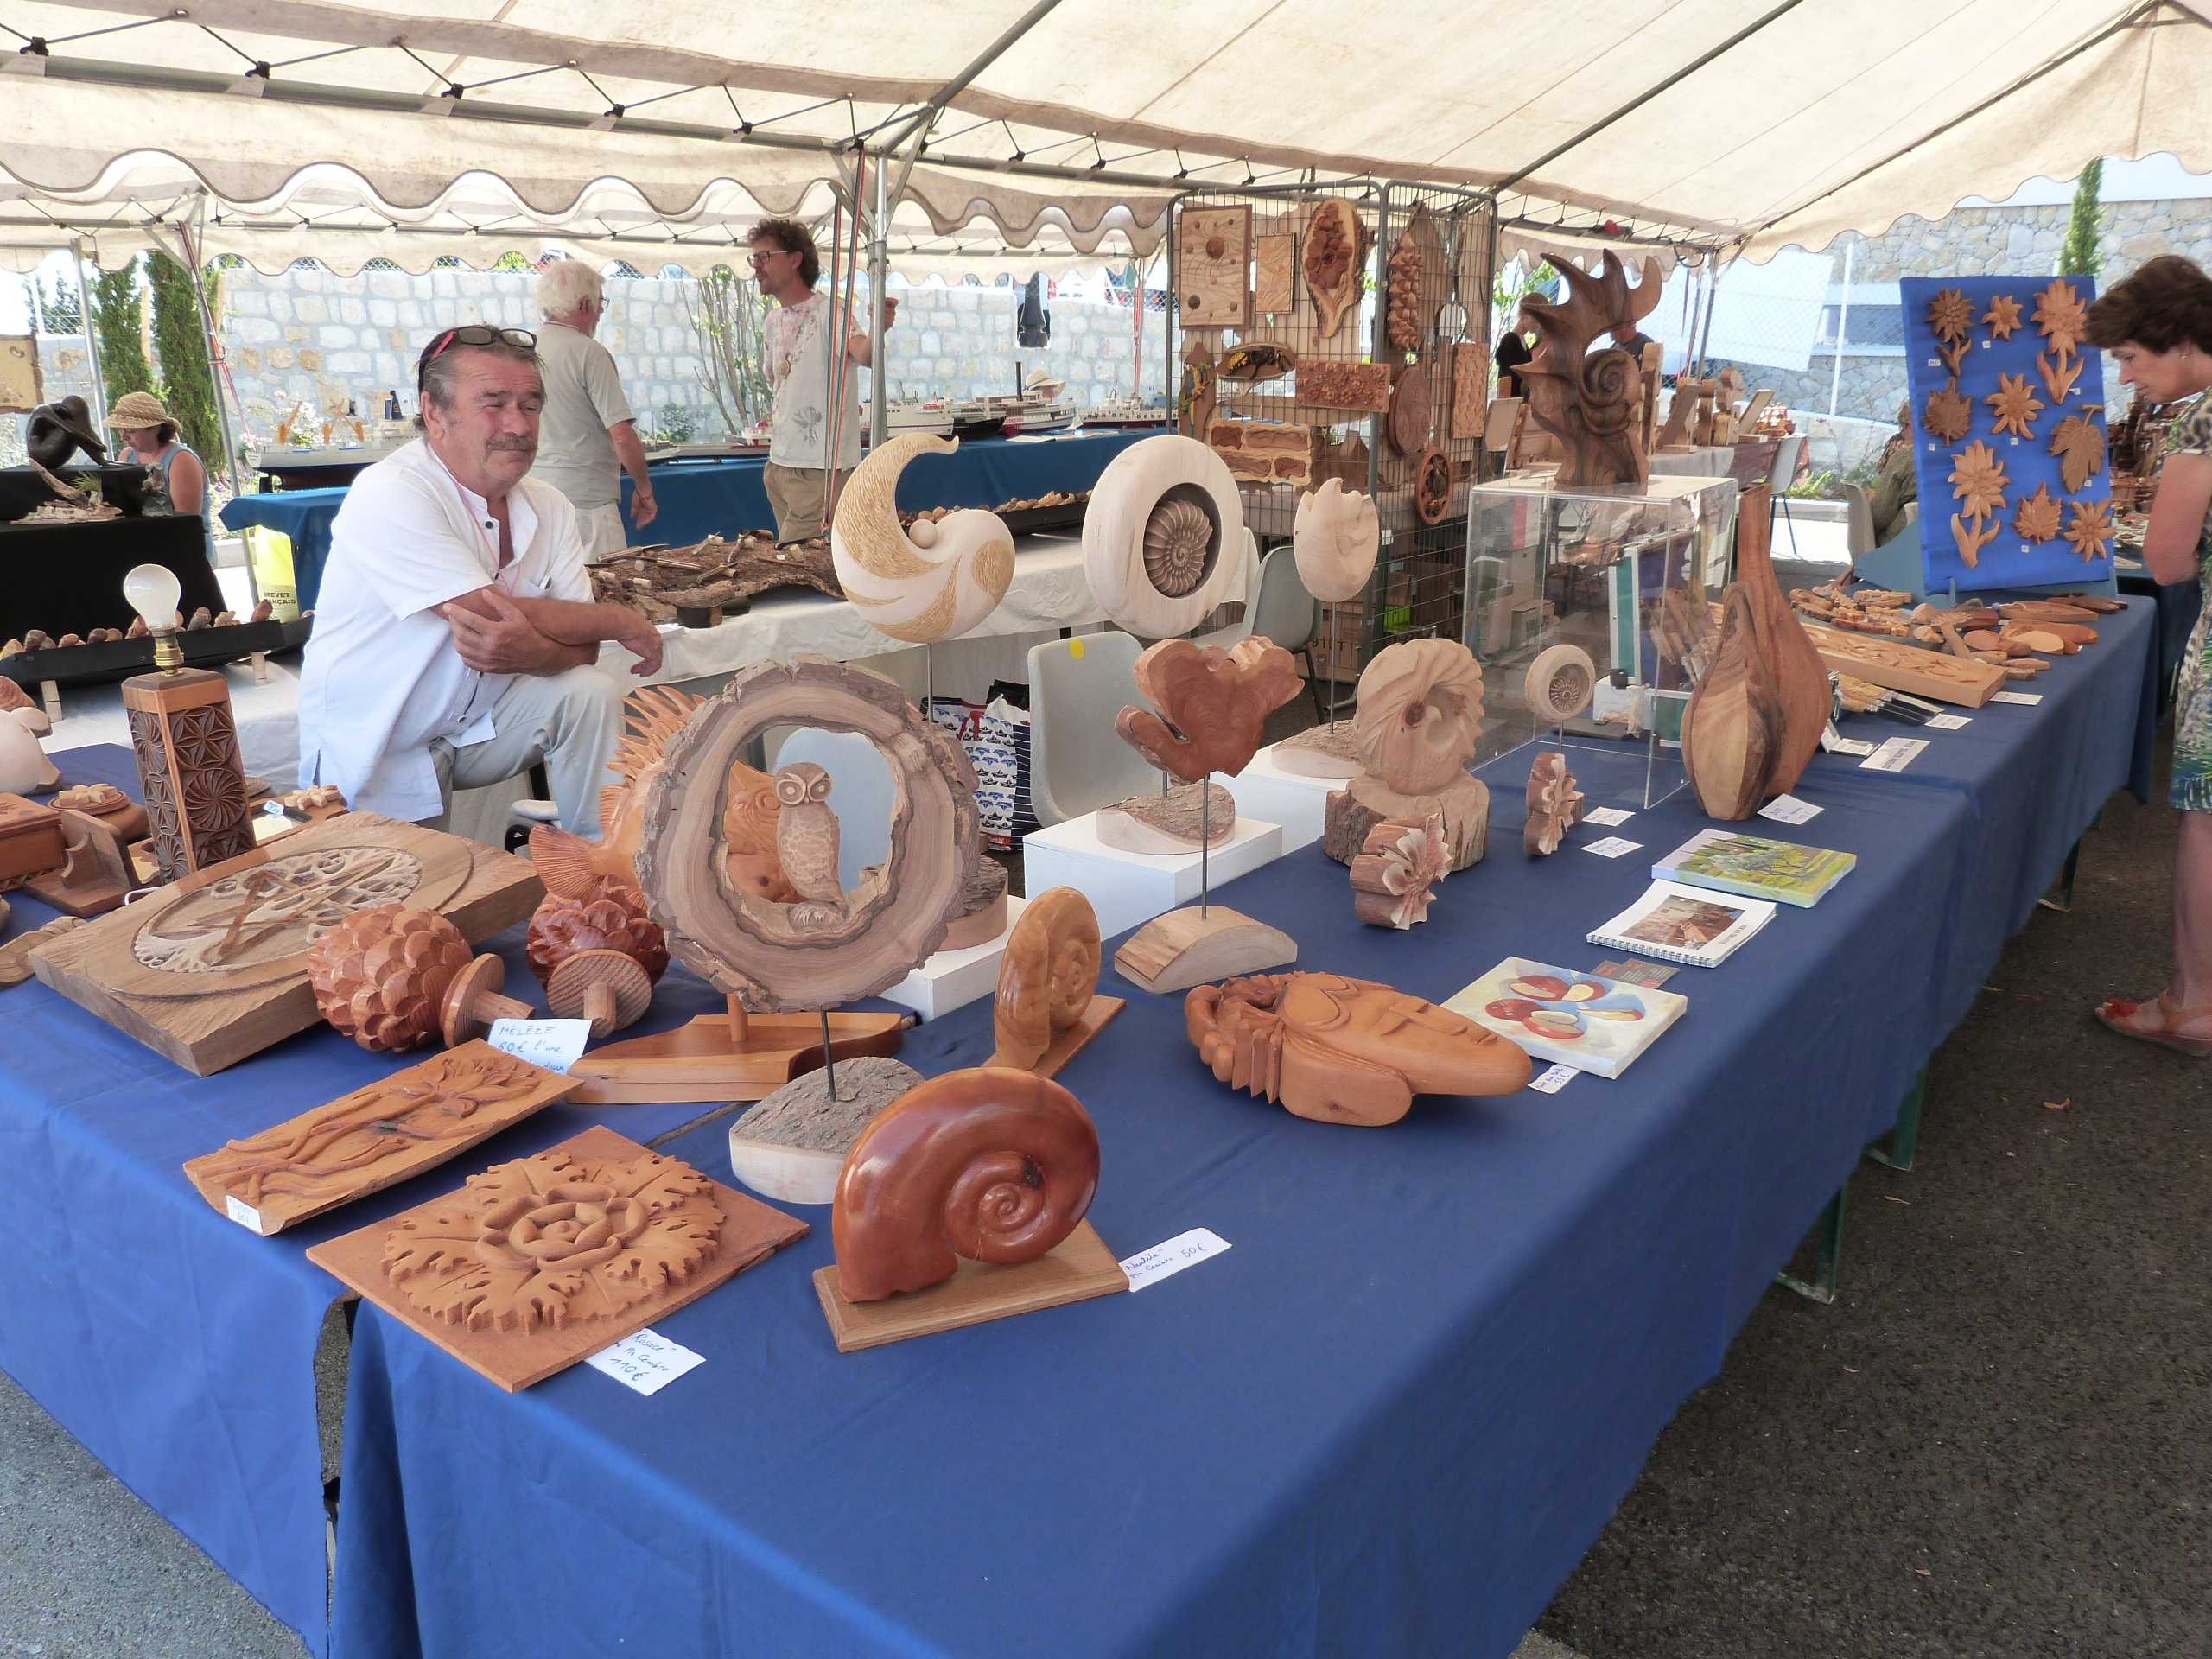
(2079,443)
(1334,539)
(1344,1051)
(1163,536)
(1411,411)
(1555,805)
(95,875)
(1396,869)
(1259,452)
(1213,260)
(1336,261)
(991,1164)
(1950,319)
(2035,518)
(1950,414)
(2003,316)
(1796,668)
(381,974)
(373,1138)
(215,968)
(1560,684)
(1420,714)
(792,957)
(808,840)
(1404,324)
(1048,1003)
(2089,528)
(1470,392)
(535,1263)
(1732,729)
(1675,431)
(1364,388)
(1274,260)
(597,955)
(2013,406)
(1978,479)
(1431,473)
(187,746)
(1588,400)
(2062,316)
(1213,704)
(1200,388)
(935,581)
(1253,361)
(16,955)
(1901,667)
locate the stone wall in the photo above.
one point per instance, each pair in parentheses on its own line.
(64,368)
(960,342)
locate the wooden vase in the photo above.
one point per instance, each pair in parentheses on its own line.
(1800,679)
(1732,730)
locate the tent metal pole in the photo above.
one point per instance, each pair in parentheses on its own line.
(879,279)
(188,229)
(92,343)
(984,60)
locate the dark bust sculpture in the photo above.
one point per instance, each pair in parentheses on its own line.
(58,430)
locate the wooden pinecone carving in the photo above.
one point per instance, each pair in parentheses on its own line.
(610,917)
(1404,295)
(380,974)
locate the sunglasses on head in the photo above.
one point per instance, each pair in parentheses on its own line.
(474,333)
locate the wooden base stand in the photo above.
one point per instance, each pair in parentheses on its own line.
(1187,947)
(733,1056)
(96,875)
(1068,1042)
(1081,1266)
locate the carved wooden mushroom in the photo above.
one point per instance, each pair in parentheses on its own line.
(474,1000)
(599,955)
(382,975)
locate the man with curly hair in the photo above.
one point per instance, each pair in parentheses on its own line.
(795,341)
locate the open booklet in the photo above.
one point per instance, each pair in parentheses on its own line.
(1693,925)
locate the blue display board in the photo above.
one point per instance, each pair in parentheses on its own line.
(1973,340)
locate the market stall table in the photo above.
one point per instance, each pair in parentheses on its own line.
(1390,1420)
(68,578)
(699,499)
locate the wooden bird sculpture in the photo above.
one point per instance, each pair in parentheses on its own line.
(806,836)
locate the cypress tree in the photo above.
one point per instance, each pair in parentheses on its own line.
(2078,257)
(115,324)
(181,348)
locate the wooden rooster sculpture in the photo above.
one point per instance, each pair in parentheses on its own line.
(1588,399)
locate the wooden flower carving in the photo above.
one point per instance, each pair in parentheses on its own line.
(2079,443)
(1213,704)
(1554,804)
(2037,516)
(2003,316)
(549,1240)
(1950,414)
(2062,315)
(1949,316)
(2014,406)
(2088,527)
(1420,714)
(1393,874)
(1978,480)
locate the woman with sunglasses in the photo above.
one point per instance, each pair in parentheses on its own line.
(456,642)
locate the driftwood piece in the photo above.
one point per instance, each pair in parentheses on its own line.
(791,1147)
(375,1137)
(788,957)
(1554,804)
(1335,261)
(1048,1005)
(1396,869)
(535,1263)
(1344,1051)
(1213,260)
(1213,704)
(1169,825)
(1588,400)
(215,968)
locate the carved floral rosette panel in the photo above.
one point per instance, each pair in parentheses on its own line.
(553,1241)
(212,817)
(273,911)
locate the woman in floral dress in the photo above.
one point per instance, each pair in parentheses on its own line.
(2158,324)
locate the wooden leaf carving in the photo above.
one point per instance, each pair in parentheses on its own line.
(1950,414)
(1215,704)
(2059,371)
(2079,443)
(2037,516)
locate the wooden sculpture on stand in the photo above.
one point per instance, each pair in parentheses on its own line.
(185,742)
(1335,539)
(1344,1051)
(934,581)
(1420,714)
(1164,540)
(784,965)
(597,953)
(1212,707)
(1048,1003)
(1590,400)
(1754,723)
(990,1167)
(1555,805)
(1396,870)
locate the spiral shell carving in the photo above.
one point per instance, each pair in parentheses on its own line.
(1560,684)
(986,1165)
(1048,978)
(1610,380)
(1176,538)
(1420,713)
(903,592)
(1141,551)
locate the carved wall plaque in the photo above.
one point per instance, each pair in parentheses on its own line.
(1364,387)
(1213,263)
(375,1137)
(1263,451)
(1337,244)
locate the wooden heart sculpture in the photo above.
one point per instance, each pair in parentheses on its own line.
(1215,704)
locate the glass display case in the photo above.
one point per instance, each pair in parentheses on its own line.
(1626,574)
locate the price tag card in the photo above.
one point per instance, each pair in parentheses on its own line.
(647,1362)
(1788,809)
(2025,699)
(556,1045)
(1608,816)
(1611,846)
(1164,1260)
(242,1212)
(1835,743)
(1895,755)
(1551,1080)
(1947,723)
(1632,972)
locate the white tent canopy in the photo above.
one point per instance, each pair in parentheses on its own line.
(1749,123)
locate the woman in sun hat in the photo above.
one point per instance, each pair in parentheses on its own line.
(177,480)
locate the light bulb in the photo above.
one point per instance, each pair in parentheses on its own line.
(153,592)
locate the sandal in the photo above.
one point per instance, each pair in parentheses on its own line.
(2117,1014)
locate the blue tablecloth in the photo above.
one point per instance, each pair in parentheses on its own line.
(1389,1420)
(699,499)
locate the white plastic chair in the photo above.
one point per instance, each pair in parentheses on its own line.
(860,794)
(1077,763)
(1284,612)
(1778,482)
(1246,625)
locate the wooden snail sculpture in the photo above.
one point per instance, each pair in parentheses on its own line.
(1048,984)
(935,581)
(1344,1051)
(986,1165)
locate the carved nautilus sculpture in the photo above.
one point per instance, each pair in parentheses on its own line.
(1334,539)
(1163,536)
(986,1165)
(1420,714)
(1048,978)
(1560,684)
(934,581)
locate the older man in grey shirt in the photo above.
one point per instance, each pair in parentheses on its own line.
(587,435)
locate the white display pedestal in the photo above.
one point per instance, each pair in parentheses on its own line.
(1299,803)
(952,979)
(1127,888)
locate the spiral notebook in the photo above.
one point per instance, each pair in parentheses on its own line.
(1694,926)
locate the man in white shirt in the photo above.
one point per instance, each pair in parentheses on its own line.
(795,342)
(455,639)
(586,428)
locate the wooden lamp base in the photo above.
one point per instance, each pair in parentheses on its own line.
(732,1056)
(1077,1268)
(1190,947)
